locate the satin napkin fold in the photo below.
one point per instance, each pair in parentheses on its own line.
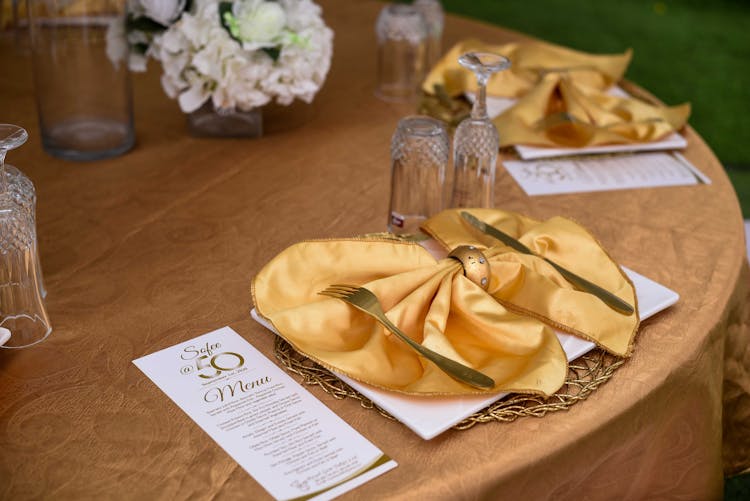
(562,99)
(505,333)
(531,286)
(530,61)
(559,111)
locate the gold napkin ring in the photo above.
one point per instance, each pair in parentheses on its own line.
(476,267)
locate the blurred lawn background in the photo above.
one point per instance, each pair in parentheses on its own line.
(683,51)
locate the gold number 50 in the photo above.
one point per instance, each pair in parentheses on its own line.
(201,364)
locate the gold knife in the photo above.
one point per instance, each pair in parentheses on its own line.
(577,281)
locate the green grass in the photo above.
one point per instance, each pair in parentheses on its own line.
(740,178)
(737,488)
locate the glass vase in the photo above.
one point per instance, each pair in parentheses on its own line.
(208,121)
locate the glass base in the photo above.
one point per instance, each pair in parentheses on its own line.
(86,139)
(207,121)
(25,331)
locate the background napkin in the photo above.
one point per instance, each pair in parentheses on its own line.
(529,62)
(562,98)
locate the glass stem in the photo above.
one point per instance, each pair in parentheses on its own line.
(479,110)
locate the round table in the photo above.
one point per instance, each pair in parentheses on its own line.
(155,247)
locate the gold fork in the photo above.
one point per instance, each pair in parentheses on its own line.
(366,301)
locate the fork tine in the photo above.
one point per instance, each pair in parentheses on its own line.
(338,288)
(348,288)
(332,293)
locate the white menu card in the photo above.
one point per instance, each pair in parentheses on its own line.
(285,438)
(674,141)
(600,173)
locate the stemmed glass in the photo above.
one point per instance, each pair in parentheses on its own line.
(22,311)
(11,136)
(476,142)
(15,187)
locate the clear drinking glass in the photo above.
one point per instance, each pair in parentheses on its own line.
(402,43)
(419,161)
(432,11)
(476,142)
(22,311)
(18,186)
(81,78)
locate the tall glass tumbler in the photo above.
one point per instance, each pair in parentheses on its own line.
(402,44)
(81,77)
(419,161)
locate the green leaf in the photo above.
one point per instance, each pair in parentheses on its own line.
(225,14)
(143,23)
(139,48)
(273,52)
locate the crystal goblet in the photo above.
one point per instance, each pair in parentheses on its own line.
(22,311)
(476,142)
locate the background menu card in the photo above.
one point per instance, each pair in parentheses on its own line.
(288,440)
(601,173)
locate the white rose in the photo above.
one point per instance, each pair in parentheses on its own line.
(259,22)
(164,12)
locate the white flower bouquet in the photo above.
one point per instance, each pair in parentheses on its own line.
(239,54)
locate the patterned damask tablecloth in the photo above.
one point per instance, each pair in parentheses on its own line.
(158,246)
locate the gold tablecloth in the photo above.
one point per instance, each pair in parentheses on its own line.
(158,246)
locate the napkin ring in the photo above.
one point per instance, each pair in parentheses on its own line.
(476,267)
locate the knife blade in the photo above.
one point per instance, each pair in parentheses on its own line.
(577,281)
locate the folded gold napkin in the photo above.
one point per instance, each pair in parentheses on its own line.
(531,286)
(501,333)
(561,97)
(559,111)
(529,62)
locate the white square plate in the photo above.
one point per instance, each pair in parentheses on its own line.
(430,416)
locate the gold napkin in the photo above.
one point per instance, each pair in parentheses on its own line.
(501,333)
(529,62)
(559,111)
(531,286)
(562,98)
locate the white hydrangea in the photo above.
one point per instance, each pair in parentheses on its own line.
(163,12)
(202,61)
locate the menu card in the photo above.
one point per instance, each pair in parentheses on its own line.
(601,173)
(672,142)
(286,439)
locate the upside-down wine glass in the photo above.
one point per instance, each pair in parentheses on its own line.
(23,317)
(11,136)
(476,142)
(15,184)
